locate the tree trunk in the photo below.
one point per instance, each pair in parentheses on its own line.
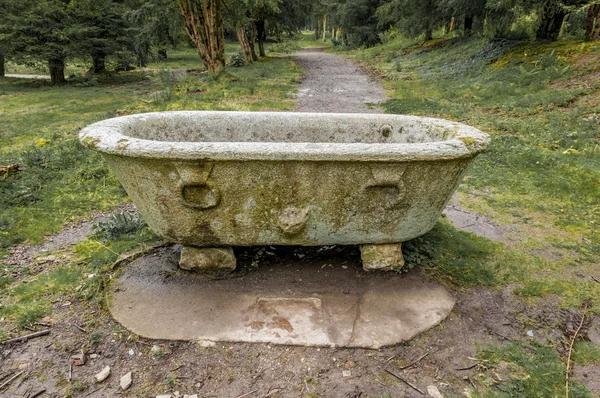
(244,44)
(252,41)
(261,36)
(428,34)
(57,70)
(204,25)
(468,26)
(452,23)
(551,22)
(99,61)
(317,31)
(324,27)
(592,28)
(2,62)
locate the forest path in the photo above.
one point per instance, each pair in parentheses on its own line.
(331,83)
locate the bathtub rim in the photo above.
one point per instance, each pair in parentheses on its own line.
(106,136)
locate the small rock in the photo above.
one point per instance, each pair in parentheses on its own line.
(126,381)
(206,343)
(131,352)
(442,384)
(24,365)
(350,364)
(104,373)
(156,349)
(190,396)
(346,373)
(530,333)
(49,320)
(79,359)
(434,392)
(94,356)
(164,396)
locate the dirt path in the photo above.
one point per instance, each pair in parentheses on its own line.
(333,84)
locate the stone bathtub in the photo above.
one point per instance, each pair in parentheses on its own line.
(212,180)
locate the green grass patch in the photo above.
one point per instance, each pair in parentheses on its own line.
(525,371)
(28,301)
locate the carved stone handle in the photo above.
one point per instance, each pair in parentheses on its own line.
(199,195)
(196,189)
(292,220)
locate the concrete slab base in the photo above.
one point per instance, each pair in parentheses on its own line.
(292,303)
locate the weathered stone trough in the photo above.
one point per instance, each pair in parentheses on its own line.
(212,180)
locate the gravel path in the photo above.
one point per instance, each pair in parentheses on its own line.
(334,84)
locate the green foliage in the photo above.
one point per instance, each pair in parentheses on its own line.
(533,371)
(237,60)
(28,301)
(586,352)
(462,258)
(119,225)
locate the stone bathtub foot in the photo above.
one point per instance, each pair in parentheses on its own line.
(384,257)
(209,260)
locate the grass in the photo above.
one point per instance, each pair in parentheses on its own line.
(524,370)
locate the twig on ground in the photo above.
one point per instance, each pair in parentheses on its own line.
(595,279)
(70,372)
(571,351)
(22,339)
(413,363)
(468,367)
(93,391)
(499,335)
(7,382)
(79,328)
(38,392)
(408,383)
(272,391)
(247,394)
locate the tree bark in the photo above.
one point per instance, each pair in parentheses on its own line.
(57,70)
(99,62)
(244,43)
(468,26)
(252,41)
(592,28)
(2,63)
(261,36)
(428,34)
(452,23)
(204,25)
(317,31)
(324,27)
(552,19)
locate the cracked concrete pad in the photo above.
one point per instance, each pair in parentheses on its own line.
(296,304)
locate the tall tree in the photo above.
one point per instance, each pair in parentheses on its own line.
(2,63)
(99,30)
(38,31)
(592,28)
(415,18)
(155,25)
(204,24)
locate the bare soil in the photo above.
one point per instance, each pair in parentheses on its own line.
(480,316)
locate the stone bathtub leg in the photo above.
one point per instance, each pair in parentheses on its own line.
(210,260)
(384,257)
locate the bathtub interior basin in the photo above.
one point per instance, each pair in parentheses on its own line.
(211,180)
